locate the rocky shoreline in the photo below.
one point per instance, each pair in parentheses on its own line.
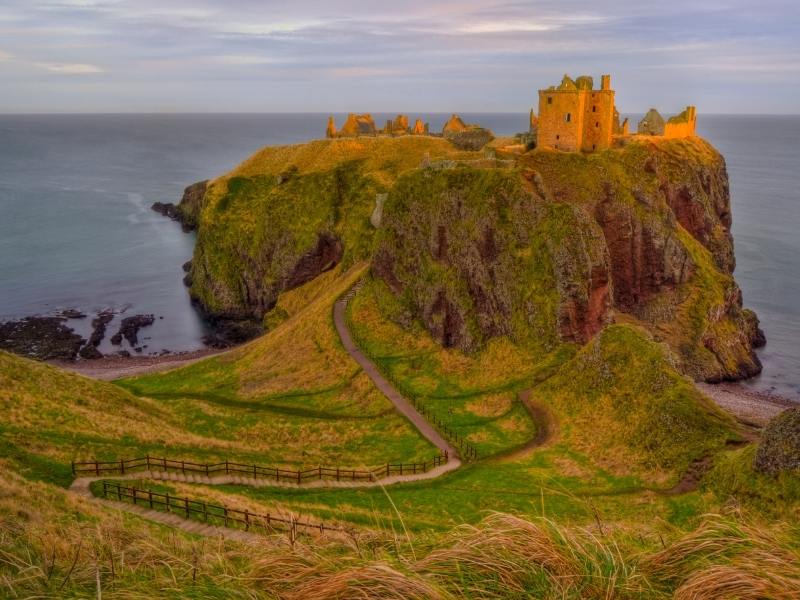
(49,337)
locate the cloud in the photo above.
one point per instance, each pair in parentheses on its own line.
(529,25)
(244,60)
(70,68)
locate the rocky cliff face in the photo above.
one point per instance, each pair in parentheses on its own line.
(545,250)
(478,253)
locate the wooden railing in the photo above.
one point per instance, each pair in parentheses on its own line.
(213,514)
(151,463)
(467,451)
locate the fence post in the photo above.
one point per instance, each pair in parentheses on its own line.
(226,467)
(206,469)
(150,497)
(298,476)
(119,494)
(105,489)
(205,512)
(337,473)
(134,494)
(147,459)
(225,514)
(73,467)
(165,464)
(246,520)
(122,466)
(319,468)
(255,475)
(186,506)
(387,469)
(183,467)
(97,468)
(166,500)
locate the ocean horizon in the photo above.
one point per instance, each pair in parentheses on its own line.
(78,232)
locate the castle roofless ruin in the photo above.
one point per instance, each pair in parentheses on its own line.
(574,116)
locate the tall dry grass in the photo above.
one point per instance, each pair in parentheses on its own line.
(728,556)
(54,545)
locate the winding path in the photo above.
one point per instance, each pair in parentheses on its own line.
(403,406)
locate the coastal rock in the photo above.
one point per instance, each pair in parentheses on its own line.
(129,328)
(779,448)
(187,210)
(44,338)
(90,351)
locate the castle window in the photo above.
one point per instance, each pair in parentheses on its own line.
(549,99)
(568,117)
(597,124)
(594,146)
(594,109)
(558,137)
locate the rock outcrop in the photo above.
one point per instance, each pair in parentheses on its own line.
(44,338)
(129,329)
(187,211)
(779,448)
(542,247)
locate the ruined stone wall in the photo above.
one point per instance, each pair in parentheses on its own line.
(682,125)
(598,120)
(561,118)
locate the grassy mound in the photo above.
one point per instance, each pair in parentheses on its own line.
(621,400)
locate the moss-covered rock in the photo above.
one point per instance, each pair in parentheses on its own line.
(477,253)
(622,390)
(779,449)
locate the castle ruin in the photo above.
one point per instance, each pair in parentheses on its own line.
(576,117)
(364,125)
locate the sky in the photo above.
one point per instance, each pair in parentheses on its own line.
(725,56)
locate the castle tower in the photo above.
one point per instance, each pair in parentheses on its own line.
(330,132)
(575,116)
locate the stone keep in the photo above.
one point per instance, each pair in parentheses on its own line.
(576,117)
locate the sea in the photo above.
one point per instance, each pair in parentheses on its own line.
(76,229)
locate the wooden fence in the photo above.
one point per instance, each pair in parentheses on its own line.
(213,514)
(150,463)
(468,451)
